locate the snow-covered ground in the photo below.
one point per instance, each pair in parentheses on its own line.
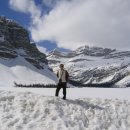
(39,109)
(31,111)
(75,93)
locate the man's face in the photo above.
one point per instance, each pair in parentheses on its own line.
(61,66)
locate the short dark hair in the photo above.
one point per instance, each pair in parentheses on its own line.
(61,65)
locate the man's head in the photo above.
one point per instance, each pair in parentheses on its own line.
(61,66)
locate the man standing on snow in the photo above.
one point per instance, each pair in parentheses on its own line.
(62,75)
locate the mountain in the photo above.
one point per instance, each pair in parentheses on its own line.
(20,60)
(94,66)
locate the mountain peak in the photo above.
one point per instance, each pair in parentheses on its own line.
(82,49)
(93,51)
(55,51)
(9,22)
(15,38)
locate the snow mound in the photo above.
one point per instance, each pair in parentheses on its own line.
(29,111)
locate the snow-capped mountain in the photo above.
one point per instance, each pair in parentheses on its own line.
(94,66)
(20,60)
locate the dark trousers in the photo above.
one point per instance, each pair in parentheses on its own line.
(59,86)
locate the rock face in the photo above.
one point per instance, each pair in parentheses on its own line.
(14,42)
(94,66)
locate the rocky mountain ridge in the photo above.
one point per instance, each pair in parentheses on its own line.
(14,42)
(94,66)
(85,50)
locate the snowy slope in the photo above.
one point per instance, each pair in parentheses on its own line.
(27,111)
(20,71)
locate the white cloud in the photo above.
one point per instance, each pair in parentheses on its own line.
(78,22)
(27,6)
(20,5)
(52,3)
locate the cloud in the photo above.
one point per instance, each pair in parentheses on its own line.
(28,7)
(72,23)
(52,3)
(20,5)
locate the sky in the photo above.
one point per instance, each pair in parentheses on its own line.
(68,24)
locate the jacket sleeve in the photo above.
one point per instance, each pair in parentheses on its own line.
(67,75)
(57,74)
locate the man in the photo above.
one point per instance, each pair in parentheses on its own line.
(62,75)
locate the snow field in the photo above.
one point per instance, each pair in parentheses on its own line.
(29,111)
(76,93)
(20,71)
